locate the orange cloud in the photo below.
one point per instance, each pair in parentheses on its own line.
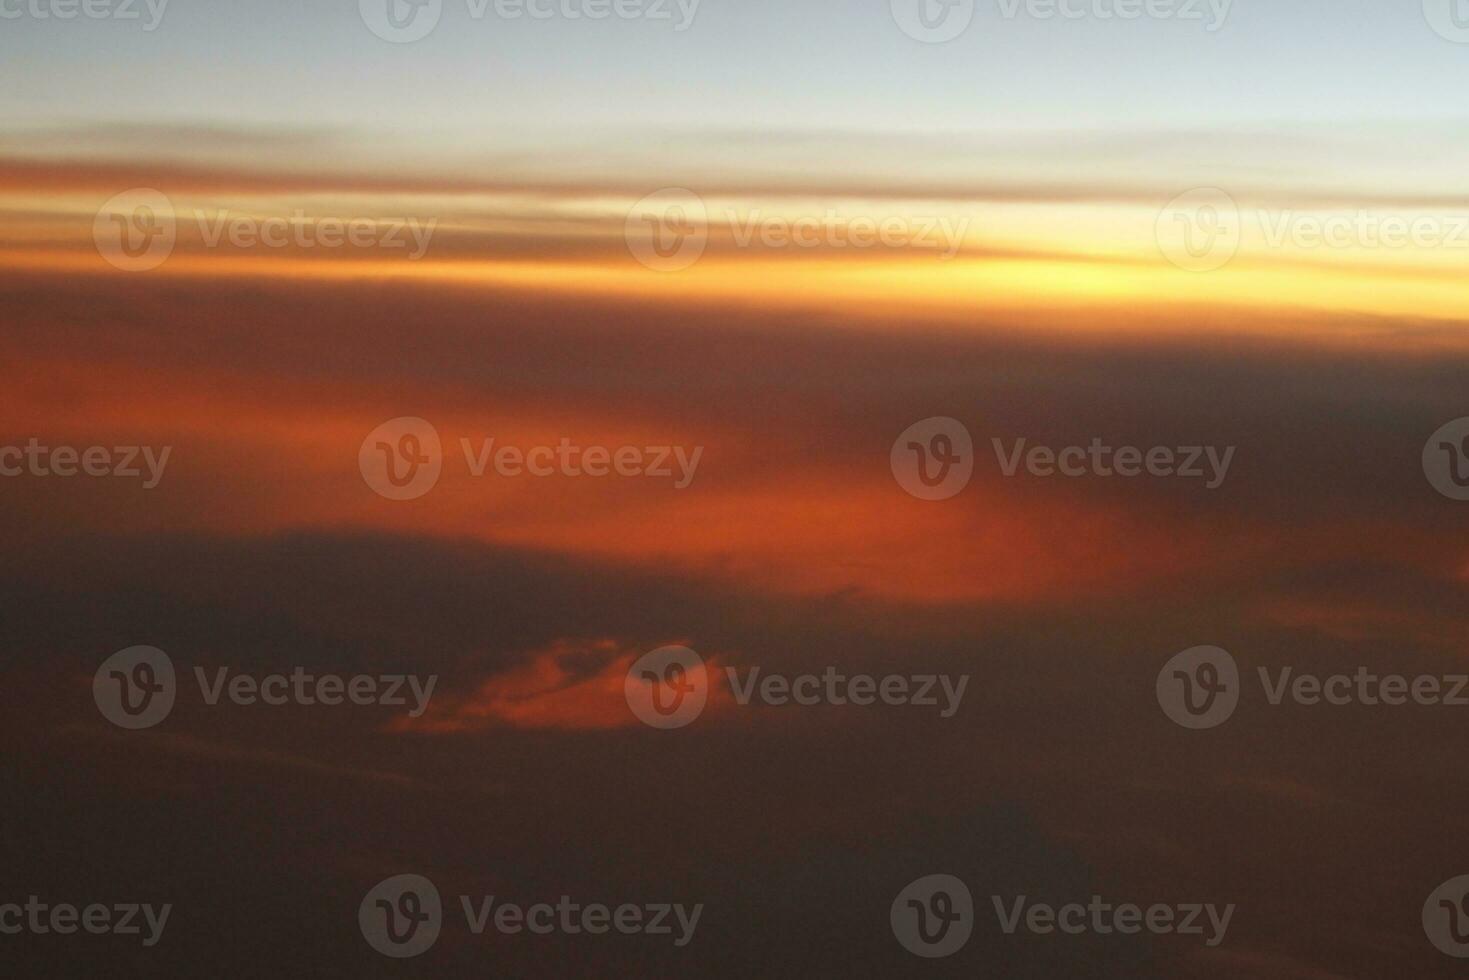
(543,693)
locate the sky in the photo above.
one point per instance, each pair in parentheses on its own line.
(815,66)
(294,255)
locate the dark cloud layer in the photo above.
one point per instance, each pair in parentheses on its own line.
(1059,778)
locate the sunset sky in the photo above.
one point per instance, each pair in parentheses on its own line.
(1042,180)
